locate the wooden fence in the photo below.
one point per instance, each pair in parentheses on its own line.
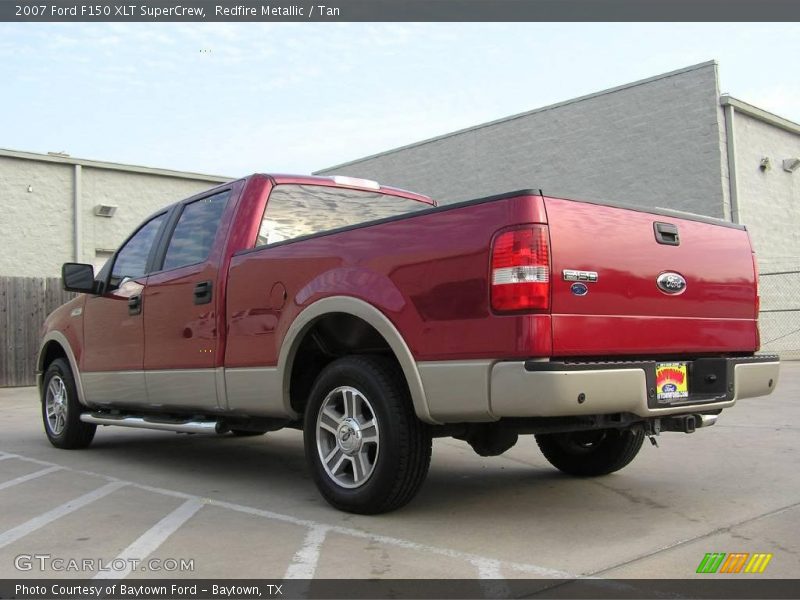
(25,302)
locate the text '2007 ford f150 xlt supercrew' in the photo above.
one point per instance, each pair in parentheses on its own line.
(374,321)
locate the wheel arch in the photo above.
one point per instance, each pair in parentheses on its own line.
(303,324)
(55,345)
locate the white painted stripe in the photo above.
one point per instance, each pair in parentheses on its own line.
(151,539)
(28,477)
(20,531)
(534,570)
(305,560)
(382,539)
(488,569)
(30,460)
(490,575)
(4,456)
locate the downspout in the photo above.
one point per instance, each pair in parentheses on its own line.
(76,215)
(731,150)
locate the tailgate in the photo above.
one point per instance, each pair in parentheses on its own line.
(625,311)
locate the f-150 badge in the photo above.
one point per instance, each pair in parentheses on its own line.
(571,275)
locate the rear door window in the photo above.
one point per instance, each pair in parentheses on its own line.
(194,234)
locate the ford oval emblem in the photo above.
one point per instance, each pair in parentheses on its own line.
(579,289)
(671,283)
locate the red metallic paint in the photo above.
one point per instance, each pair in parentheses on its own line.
(179,334)
(429,274)
(61,320)
(114,339)
(624,311)
(433,285)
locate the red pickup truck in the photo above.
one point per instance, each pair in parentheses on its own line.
(375,320)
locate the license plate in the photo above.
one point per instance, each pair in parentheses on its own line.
(672,381)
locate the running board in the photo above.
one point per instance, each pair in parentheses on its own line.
(146,423)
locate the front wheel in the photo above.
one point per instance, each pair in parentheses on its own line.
(365,447)
(591,453)
(61,410)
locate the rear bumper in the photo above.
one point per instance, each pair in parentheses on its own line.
(559,389)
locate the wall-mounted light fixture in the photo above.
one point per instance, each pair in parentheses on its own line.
(765,164)
(105,210)
(30,189)
(791,164)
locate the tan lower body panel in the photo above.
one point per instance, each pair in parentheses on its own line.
(457,391)
(516,392)
(256,391)
(757,379)
(520,393)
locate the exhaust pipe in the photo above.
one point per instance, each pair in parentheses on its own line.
(145,423)
(707,420)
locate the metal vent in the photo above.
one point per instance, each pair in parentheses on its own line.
(105,210)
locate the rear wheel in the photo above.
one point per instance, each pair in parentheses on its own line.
(61,411)
(366,448)
(591,453)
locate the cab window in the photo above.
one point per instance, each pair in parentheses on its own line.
(298,210)
(131,261)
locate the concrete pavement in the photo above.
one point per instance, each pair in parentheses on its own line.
(246,507)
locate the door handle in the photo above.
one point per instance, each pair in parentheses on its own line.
(202,292)
(667,234)
(135,305)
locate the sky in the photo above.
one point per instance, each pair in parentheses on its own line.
(232,99)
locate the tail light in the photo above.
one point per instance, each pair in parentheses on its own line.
(521,269)
(758,292)
(758,302)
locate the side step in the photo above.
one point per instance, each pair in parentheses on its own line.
(187,426)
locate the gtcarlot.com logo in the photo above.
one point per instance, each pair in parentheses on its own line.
(735,562)
(48,562)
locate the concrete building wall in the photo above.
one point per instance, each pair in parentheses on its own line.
(37,226)
(769,204)
(769,200)
(651,143)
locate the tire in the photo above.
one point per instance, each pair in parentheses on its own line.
(379,452)
(591,453)
(61,411)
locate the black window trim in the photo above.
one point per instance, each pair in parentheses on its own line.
(156,267)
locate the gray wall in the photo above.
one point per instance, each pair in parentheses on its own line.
(769,201)
(656,142)
(36,228)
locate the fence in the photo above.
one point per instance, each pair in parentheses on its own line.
(780,313)
(26,301)
(24,304)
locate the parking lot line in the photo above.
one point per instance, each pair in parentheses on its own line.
(151,539)
(20,531)
(28,477)
(473,559)
(489,570)
(305,560)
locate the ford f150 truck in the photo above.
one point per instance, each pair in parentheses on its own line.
(374,320)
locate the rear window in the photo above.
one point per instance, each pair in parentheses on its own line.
(297,210)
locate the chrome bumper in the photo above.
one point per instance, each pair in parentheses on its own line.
(552,389)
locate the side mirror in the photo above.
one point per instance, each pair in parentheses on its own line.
(78,277)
